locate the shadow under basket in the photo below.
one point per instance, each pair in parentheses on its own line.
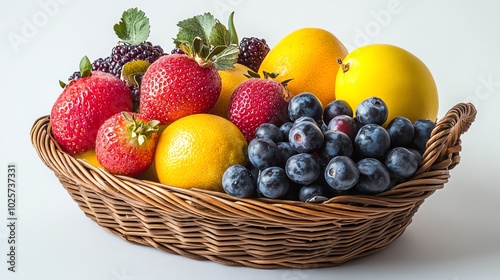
(259,233)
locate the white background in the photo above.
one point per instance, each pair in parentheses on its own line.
(455,235)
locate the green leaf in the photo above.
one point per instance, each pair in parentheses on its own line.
(232,30)
(220,36)
(215,51)
(226,59)
(208,41)
(62,84)
(133,27)
(85,67)
(198,26)
(207,22)
(133,71)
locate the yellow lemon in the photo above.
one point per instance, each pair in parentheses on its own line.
(194,151)
(308,56)
(230,80)
(393,74)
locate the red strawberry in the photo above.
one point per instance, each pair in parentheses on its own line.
(175,86)
(178,85)
(257,101)
(126,143)
(84,105)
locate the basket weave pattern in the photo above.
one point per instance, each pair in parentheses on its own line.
(260,233)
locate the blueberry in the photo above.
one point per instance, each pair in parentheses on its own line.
(400,130)
(263,153)
(268,131)
(313,193)
(285,130)
(422,133)
(255,173)
(417,154)
(305,137)
(336,108)
(272,182)
(372,111)
(285,151)
(305,104)
(303,168)
(372,141)
(305,119)
(238,181)
(341,173)
(323,126)
(335,144)
(373,176)
(401,163)
(346,124)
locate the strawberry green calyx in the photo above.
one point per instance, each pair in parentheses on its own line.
(267,76)
(85,67)
(208,42)
(139,130)
(133,27)
(85,70)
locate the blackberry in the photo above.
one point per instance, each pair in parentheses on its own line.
(252,52)
(99,64)
(75,75)
(177,51)
(136,97)
(121,54)
(124,53)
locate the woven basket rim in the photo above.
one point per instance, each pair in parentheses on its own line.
(437,160)
(108,198)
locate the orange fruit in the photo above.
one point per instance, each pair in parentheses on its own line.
(194,151)
(90,157)
(393,74)
(308,56)
(230,80)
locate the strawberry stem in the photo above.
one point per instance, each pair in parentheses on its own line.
(140,130)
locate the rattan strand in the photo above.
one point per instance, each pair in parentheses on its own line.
(260,233)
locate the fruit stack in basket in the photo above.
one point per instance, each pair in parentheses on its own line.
(304,120)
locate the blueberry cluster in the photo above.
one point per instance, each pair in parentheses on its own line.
(323,152)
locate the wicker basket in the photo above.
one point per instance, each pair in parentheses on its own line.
(260,233)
